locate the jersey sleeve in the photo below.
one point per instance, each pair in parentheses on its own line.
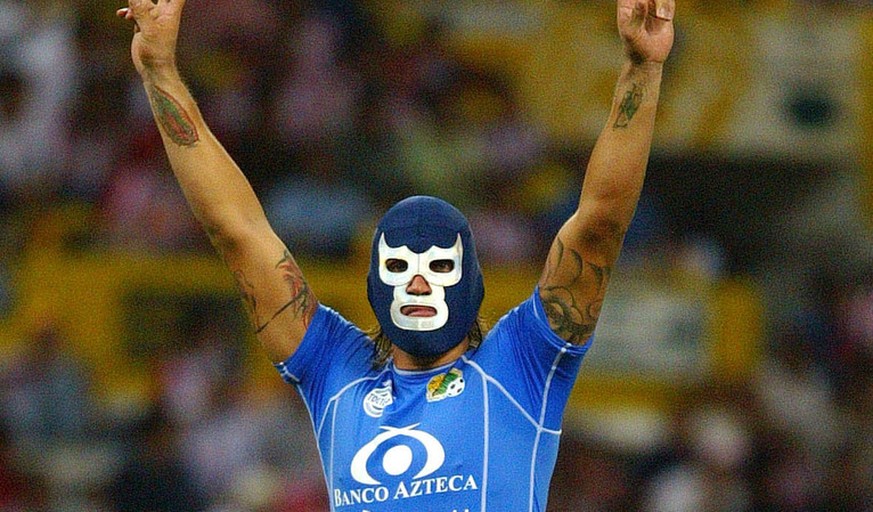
(333,352)
(531,363)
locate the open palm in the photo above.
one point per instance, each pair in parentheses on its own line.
(155,33)
(646,27)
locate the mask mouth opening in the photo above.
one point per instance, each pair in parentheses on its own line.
(418,311)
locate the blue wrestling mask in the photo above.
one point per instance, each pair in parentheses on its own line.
(429,237)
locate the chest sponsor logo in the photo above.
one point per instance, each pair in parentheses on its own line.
(396,462)
(445,385)
(378,399)
(398,459)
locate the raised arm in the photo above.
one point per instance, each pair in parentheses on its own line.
(582,256)
(277,298)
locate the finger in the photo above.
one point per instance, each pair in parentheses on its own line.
(138,12)
(662,9)
(139,7)
(122,13)
(633,13)
(178,4)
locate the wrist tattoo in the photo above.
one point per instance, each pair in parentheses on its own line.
(630,103)
(175,121)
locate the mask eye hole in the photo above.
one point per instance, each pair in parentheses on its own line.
(396,265)
(442,266)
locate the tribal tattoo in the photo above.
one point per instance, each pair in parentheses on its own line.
(572,301)
(630,103)
(302,302)
(175,121)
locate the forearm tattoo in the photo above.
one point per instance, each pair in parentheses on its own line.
(175,121)
(301,303)
(630,103)
(574,295)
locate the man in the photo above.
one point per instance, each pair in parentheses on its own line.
(443,420)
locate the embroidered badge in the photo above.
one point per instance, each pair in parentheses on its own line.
(378,399)
(445,385)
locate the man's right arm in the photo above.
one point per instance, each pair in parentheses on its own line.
(277,298)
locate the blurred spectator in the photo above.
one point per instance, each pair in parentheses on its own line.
(48,409)
(219,446)
(849,474)
(708,469)
(141,207)
(796,396)
(317,210)
(370,157)
(591,477)
(853,315)
(849,477)
(36,87)
(313,201)
(790,479)
(154,478)
(286,477)
(7,293)
(316,95)
(18,489)
(231,35)
(95,144)
(46,395)
(504,236)
(440,144)
(191,374)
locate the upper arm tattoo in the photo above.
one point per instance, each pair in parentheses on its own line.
(247,293)
(173,118)
(630,103)
(301,302)
(572,291)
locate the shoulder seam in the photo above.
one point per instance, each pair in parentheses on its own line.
(511,398)
(545,400)
(342,390)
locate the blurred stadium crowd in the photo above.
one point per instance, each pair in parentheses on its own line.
(334,113)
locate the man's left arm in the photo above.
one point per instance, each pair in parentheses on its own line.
(582,256)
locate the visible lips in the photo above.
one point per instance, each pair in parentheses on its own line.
(418,311)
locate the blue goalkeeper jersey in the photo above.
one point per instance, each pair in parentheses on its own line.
(480,434)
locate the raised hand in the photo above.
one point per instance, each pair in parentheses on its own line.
(156,29)
(646,27)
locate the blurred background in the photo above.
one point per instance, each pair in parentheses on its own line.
(732,367)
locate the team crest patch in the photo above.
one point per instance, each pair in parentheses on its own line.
(378,399)
(445,385)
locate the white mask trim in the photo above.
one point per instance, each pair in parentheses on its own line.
(419,264)
(436,299)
